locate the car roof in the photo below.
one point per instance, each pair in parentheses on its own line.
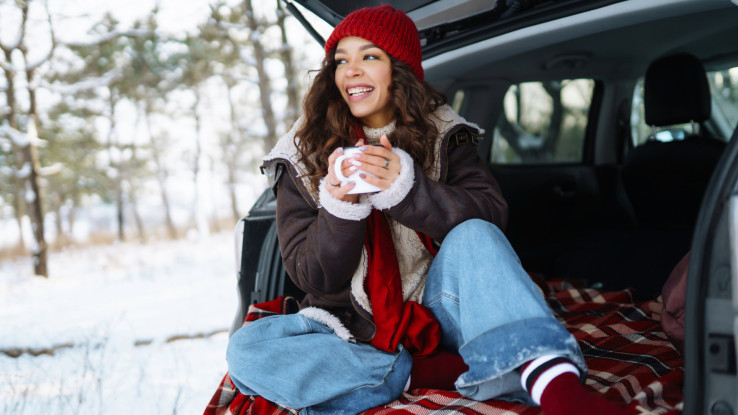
(558,40)
(617,40)
(449,24)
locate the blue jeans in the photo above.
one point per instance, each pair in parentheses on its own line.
(489,310)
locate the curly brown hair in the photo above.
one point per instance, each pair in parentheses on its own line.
(328,120)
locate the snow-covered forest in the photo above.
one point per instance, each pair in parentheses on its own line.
(113,129)
(130,139)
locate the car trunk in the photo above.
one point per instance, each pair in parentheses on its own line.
(449,24)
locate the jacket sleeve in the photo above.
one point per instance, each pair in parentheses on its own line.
(469,191)
(320,251)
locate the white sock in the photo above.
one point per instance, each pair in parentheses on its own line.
(541,371)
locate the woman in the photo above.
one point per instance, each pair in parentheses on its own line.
(414,285)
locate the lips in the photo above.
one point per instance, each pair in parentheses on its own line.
(357,91)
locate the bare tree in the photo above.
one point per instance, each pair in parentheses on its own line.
(293,96)
(99,79)
(265,88)
(539,145)
(147,75)
(228,145)
(29,120)
(197,68)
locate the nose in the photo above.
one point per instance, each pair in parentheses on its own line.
(353,69)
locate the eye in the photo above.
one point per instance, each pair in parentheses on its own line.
(371,57)
(340,61)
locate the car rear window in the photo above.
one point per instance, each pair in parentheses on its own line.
(724,114)
(724,87)
(543,122)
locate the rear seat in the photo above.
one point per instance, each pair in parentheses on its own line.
(664,182)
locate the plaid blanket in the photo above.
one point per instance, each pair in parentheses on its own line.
(630,359)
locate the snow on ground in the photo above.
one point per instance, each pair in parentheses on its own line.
(109,311)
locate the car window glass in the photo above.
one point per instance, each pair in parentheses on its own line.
(724,90)
(458,101)
(543,122)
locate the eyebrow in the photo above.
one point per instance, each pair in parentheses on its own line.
(362,48)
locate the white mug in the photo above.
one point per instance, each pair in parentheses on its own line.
(361,186)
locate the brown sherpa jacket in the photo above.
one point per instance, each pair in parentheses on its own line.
(321,238)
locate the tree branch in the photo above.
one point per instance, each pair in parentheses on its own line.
(52,48)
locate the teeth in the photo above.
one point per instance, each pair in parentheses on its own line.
(358,91)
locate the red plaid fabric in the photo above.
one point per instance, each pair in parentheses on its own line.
(630,359)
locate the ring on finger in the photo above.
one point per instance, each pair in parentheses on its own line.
(386,163)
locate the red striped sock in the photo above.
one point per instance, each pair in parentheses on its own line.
(553,383)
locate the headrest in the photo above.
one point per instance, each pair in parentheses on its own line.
(676,91)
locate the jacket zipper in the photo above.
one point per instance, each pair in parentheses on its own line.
(374,331)
(299,186)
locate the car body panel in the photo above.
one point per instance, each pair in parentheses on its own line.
(712,307)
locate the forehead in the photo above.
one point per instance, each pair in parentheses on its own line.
(351,43)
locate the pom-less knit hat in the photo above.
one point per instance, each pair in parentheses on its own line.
(389,28)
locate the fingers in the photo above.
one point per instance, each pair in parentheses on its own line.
(333,185)
(380,162)
(383,178)
(384,141)
(341,191)
(378,155)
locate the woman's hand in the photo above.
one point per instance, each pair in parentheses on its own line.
(333,185)
(381,162)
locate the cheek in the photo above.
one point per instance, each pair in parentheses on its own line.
(336,77)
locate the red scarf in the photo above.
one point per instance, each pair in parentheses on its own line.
(406,322)
(397,321)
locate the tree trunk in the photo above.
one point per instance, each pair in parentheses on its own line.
(71,218)
(214,224)
(265,89)
(293,99)
(116,166)
(17,163)
(18,210)
(728,86)
(34,198)
(133,201)
(232,193)
(30,152)
(136,216)
(56,202)
(161,175)
(553,88)
(230,159)
(198,215)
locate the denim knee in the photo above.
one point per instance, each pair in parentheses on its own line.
(236,360)
(476,233)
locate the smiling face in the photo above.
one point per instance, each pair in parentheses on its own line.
(363,76)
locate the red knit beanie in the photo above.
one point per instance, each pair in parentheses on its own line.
(389,28)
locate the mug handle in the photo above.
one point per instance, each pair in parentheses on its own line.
(337,168)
